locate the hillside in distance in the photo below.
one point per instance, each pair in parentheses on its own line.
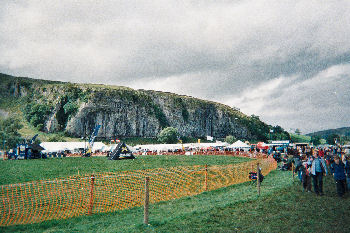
(75,109)
(344,131)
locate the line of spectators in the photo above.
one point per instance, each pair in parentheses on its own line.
(315,166)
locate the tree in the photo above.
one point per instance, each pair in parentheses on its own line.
(230,139)
(255,117)
(256,127)
(332,139)
(297,131)
(323,141)
(345,140)
(36,114)
(316,140)
(278,129)
(168,135)
(9,132)
(278,133)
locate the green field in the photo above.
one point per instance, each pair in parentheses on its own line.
(282,207)
(18,171)
(300,138)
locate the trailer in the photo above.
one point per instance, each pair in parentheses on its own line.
(27,151)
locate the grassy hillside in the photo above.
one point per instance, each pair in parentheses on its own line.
(344,131)
(14,107)
(300,138)
(282,207)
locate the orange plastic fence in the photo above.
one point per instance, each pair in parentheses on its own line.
(208,152)
(38,201)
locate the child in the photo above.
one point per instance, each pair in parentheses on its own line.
(306,178)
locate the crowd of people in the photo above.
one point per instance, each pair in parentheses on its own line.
(314,163)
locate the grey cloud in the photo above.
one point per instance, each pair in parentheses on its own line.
(213,50)
(320,102)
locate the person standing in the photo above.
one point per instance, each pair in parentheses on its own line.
(318,168)
(347,171)
(306,179)
(338,171)
(321,153)
(298,168)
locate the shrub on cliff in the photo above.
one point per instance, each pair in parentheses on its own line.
(168,135)
(37,113)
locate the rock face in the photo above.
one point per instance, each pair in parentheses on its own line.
(116,117)
(124,118)
(126,112)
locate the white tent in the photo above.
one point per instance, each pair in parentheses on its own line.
(239,145)
(206,145)
(71,146)
(166,147)
(158,147)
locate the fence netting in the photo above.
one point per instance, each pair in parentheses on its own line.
(63,198)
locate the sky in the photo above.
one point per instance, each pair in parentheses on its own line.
(287,62)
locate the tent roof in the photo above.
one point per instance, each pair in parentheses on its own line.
(239,144)
(62,146)
(164,147)
(36,147)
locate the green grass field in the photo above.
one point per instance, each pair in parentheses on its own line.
(18,171)
(282,207)
(300,138)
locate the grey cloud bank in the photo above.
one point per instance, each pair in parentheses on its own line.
(287,62)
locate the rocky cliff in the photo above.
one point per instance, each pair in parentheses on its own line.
(77,108)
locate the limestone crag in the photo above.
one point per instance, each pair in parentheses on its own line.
(130,118)
(123,112)
(117,118)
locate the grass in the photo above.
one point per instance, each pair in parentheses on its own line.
(300,138)
(18,171)
(282,207)
(287,210)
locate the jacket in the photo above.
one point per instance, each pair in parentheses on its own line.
(338,170)
(313,168)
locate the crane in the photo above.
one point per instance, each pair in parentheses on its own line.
(91,140)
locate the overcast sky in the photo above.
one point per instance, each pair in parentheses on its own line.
(285,61)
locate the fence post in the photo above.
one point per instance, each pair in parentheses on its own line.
(257,178)
(146,207)
(92,181)
(206,177)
